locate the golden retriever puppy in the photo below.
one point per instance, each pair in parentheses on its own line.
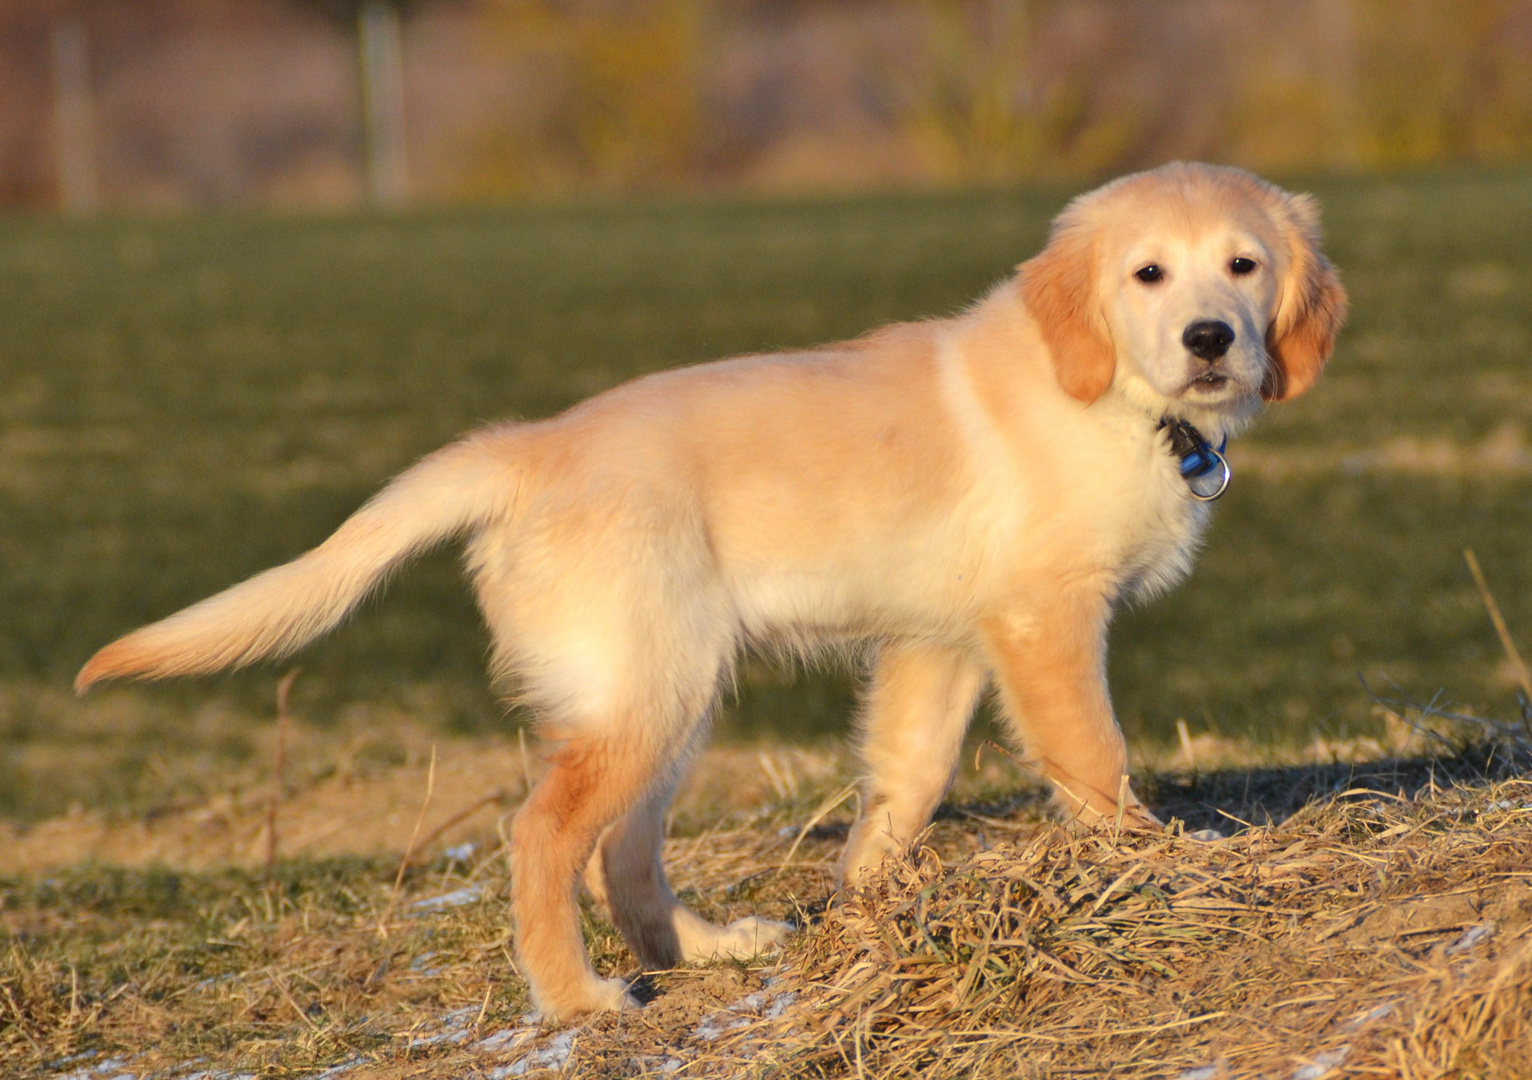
(972,494)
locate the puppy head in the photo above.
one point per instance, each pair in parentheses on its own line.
(1194,290)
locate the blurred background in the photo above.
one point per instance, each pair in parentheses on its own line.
(258,255)
(135,104)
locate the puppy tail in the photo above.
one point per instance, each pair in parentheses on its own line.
(273,614)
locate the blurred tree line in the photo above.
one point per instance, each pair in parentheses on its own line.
(962,91)
(264,101)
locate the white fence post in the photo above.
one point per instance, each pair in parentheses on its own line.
(1336,25)
(74,121)
(382,69)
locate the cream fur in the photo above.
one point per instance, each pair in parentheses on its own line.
(971,494)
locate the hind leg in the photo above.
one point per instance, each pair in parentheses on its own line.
(914,716)
(608,610)
(618,747)
(627,876)
(592,781)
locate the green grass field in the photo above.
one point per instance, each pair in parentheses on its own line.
(184,402)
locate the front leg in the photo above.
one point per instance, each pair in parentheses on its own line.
(914,716)
(1050,664)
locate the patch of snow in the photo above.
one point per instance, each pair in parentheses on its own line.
(453,1027)
(83,1055)
(763,1003)
(717,1025)
(1471,937)
(214,981)
(1322,1063)
(780,1005)
(462,853)
(1371,1016)
(455,898)
(110,1069)
(1201,1072)
(337,1070)
(508,1039)
(553,1056)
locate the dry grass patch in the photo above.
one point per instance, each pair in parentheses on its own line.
(1391,935)
(1374,918)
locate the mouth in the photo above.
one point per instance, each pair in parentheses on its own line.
(1208,382)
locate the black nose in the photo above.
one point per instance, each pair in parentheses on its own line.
(1208,339)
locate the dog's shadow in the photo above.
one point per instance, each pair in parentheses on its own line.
(1229,799)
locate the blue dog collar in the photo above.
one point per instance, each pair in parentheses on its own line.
(1205,470)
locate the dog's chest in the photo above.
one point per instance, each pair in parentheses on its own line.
(1114,510)
(1161,532)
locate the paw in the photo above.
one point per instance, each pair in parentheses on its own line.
(740,940)
(1137,818)
(756,937)
(867,859)
(1134,819)
(614,997)
(595,995)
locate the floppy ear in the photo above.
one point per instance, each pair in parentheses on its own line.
(1059,287)
(1310,312)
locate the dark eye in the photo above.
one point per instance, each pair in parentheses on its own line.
(1241,266)
(1150,274)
